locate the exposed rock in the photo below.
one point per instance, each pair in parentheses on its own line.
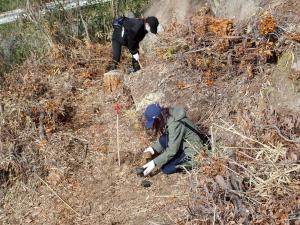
(235,9)
(165,10)
(286,93)
(296,66)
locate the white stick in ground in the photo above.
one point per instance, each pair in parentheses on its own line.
(118,143)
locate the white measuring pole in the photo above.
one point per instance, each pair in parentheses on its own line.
(118,142)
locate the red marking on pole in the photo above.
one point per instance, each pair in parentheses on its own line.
(117,108)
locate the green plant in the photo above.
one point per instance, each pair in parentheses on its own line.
(137,7)
(65,27)
(18,41)
(6,5)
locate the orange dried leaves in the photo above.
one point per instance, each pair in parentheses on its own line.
(295,37)
(203,24)
(220,27)
(265,50)
(199,24)
(267,23)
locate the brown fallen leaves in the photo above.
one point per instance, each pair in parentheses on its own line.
(267,23)
(217,47)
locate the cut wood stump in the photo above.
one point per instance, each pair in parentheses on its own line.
(111,81)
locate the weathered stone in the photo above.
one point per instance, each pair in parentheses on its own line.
(285,95)
(235,9)
(296,66)
(164,10)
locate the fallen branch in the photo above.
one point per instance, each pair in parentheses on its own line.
(54,192)
(279,133)
(241,135)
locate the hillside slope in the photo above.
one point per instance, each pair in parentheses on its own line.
(238,80)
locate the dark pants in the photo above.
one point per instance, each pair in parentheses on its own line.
(117,49)
(172,165)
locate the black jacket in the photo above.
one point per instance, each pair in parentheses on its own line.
(134,33)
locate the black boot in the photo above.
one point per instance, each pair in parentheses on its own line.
(135,65)
(111,66)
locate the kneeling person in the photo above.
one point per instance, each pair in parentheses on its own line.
(179,141)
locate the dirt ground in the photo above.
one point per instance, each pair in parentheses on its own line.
(70,174)
(97,190)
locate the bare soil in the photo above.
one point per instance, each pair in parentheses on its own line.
(63,169)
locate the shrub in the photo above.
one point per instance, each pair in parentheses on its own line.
(20,39)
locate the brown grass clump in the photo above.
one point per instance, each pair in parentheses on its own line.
(39,100)
(295,37)
(199,24)
(267,23)
(251,173)
(205,23)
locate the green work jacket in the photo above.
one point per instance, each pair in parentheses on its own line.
(180,136)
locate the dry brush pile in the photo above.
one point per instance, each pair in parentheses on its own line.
(252,172)
(39,112)
(218,47)
(251,176)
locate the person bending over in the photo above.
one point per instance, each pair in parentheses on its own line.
(130,32)
(179,142)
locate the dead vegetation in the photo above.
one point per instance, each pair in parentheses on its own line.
(251,175)
(39,103)
(217,47)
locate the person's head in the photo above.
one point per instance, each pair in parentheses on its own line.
(153,116)
(151,24)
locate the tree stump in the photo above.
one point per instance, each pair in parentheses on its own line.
(111,81)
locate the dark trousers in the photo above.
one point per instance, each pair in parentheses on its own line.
(117,42)
(116,50)
(172,165)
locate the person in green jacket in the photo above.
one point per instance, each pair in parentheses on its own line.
(179,141)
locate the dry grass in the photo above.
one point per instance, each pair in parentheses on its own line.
(31,144)
(239,184)
(250,176)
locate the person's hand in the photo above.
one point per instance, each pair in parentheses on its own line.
(148,167)
(149,149)
(136,56)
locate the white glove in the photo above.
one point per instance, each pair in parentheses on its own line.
(148,167)
(149,149)
(136,56)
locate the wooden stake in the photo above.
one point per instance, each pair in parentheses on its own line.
(117,108)
(213,144)
(118,143)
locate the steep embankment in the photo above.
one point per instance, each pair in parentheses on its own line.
(58,128)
